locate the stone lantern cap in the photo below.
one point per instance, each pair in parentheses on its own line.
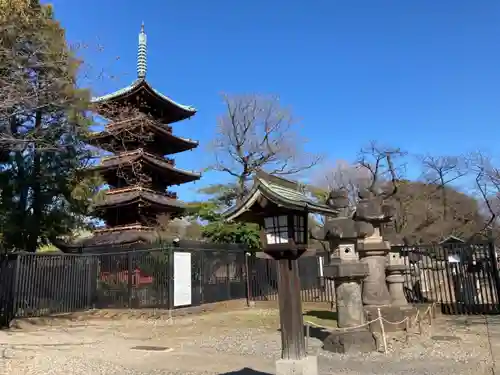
(371,209)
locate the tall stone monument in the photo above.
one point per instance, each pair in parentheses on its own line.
(347,272)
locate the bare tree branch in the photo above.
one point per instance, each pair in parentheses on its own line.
(256,132)
(384,164)
(487,183)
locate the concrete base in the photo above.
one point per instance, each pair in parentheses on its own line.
(304,366)
(391,314)
(356,341)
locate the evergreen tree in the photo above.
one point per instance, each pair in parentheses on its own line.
(43,122)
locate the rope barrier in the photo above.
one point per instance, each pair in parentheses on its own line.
(382,320)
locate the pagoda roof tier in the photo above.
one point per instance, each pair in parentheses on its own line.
(114,136)
(115,198)
(117,236)
(163,166)
(141,95)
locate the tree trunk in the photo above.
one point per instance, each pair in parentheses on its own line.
(36,216)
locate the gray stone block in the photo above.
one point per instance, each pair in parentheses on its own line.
(304,366)
(356,341)
(346,270)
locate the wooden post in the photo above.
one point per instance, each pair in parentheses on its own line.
(290,310)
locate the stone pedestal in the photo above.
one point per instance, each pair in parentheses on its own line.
(353,341)
(395,280)
(373,254)
(304,366)
(347,277)
(393,314)
(350,314)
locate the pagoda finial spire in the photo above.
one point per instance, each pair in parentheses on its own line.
(141,54)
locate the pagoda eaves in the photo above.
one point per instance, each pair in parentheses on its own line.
(164,143)
(163,106)
(165,167)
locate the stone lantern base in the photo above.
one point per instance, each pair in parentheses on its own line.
(350,315)
(394,314)
(352,341)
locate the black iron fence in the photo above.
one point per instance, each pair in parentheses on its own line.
(36,285)
(462,278)
(263,279)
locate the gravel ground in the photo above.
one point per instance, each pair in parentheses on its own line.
(243,343)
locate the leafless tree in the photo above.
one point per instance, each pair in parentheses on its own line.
(385,165)
(441,171)
(181,228)
(257,132)
(343,175)
(487,184)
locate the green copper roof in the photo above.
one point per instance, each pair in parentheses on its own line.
(284,193)
(137,85)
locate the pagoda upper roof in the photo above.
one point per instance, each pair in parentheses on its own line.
(181,175)
(157,103)
(136,194)
(141,88)
(172,144)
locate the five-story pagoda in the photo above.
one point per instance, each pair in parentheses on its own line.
(139,135)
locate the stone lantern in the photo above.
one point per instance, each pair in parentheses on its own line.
(348,273)
(370,215)
(396,271)
(281,208)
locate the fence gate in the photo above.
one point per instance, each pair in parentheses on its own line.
(463,278)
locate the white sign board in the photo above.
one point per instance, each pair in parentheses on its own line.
(182,279)
(320,266)
(454,258)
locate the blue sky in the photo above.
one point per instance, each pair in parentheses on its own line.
(422,75)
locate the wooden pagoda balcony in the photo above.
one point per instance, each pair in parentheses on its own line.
(121,228)
(131,154)
(168,194)
(133,124)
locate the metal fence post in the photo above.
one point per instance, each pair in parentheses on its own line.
(247,279)
(90,268)
(496,275)
(170,277)
(228,277)
(201,276)
(129,279)
(15,285)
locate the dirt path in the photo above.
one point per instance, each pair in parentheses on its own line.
(227,342)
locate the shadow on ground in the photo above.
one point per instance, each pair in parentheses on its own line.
(323,315)
(245,371)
